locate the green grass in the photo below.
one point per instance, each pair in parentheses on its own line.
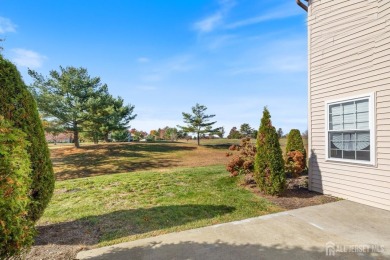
(124,207)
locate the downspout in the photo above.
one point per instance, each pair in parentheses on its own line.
(302,5)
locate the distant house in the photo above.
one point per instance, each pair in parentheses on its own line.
(349,99)
(60,138)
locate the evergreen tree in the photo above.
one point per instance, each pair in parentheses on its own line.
(198,122)
(18,106)
(16,229)
(269,164)
(295,143)
(234,133)
(66,95)
(246,130)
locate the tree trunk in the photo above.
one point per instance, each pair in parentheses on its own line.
(95,138)
(198,139)
(106,137)
(76,139)
(76,136)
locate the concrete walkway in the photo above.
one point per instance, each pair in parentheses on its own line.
(304,233)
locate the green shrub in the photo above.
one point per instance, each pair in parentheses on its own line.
(18,106)
(16,229)
(269,164)
(295,143)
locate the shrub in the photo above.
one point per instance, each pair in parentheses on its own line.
(16,229)
(18,106)
(269,164)
(295,143)
(295,163)
(243,162)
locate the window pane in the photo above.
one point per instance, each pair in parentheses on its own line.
(336,140)
(335,109)
(363,155)
(335,122)
(362,105)
(349,146)
(350,155)
(362,120)
(349,108)
(336,153)
(363,141)
(349,121)
(362,125)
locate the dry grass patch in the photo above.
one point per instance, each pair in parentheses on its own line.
(101,159)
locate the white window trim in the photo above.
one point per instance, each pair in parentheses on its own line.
(372,124)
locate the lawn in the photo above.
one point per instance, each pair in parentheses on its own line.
(116,192)
(102,159)
(108,209)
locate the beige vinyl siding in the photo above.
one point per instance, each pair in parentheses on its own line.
(349,55)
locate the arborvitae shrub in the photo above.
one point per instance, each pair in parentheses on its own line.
(269,170)
(18,106)
(295,143)
(16,229)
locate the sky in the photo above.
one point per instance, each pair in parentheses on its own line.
(163,57)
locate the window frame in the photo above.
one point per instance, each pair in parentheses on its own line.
(372,129)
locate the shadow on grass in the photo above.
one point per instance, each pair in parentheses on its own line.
(219,146)
(102,159)
(217,250)
(94,229)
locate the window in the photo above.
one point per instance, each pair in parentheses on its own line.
(349,130)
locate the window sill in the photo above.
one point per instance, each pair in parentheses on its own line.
(352,162)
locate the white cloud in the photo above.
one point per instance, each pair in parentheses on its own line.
(208,24)
(277,63)
(211,22)
(6,25)
(27,58)
(143,60)
(281,12)
(286,55)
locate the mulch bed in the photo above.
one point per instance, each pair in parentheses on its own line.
(295,196)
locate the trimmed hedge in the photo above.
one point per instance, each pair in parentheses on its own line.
(16,229)
(269,164)
(18,106)
(295,143)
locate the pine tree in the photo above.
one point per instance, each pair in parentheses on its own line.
(269,164)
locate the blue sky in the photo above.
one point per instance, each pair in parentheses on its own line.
(234,56)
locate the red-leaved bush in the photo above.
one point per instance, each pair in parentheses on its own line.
(295,163)
(241,163)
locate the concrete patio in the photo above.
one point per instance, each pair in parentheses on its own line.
(346,229)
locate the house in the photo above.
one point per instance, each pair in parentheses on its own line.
(349,99)
(59,138)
